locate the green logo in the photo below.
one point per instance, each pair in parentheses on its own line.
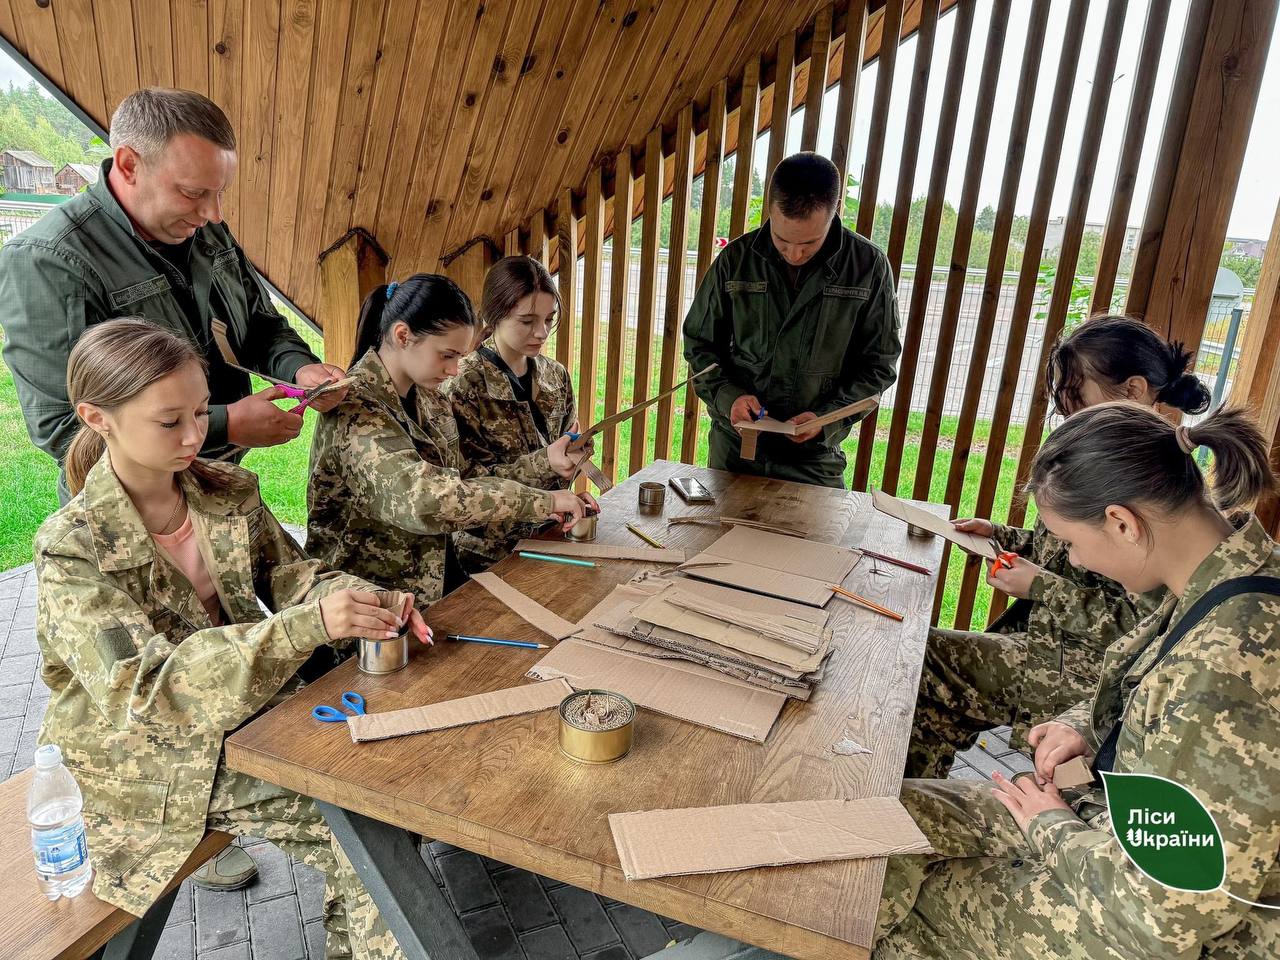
(1166,831)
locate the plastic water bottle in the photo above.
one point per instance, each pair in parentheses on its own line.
(57,828)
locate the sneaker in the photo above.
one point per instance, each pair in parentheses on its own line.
(232,869)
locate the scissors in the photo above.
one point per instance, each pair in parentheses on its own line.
(1004,558)
(350,699)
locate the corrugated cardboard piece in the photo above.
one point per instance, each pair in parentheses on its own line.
(909,513)
(665,843)
(604,551)
(751,431)
(1072,774)
(455,713)
(769,563)
(552,624)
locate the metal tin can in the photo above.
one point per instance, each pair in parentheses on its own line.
(383,656)
(584,530)
(652,494)
(596,726)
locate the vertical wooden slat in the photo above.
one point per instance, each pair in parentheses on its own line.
(647,299)
(748,117)
(817,79)
(255,134)
(1256,383)
(783,90)
(83,74)
(538,238)
(227,31)
(567,279)
(593,229)
(190,20)
(992,285)
(619,281)
(855,37)
(957,273)
(1029,275)
(155,45)
(891,27)
(40,32)
(1135,131)
(511,243)
(293,87)
(348,274)
(706,243)
(923,282)
(118,58)
(676,250)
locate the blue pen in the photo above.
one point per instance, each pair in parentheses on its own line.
(499,643)
(573,437)
(760,413)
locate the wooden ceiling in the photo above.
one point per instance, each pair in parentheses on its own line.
(426,122)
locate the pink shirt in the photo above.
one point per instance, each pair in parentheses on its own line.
(180,547)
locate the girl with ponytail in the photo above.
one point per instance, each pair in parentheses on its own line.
(150,623)
(1191,695)
(1045,653)
(389,482)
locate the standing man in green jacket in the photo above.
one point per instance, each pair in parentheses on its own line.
(802,317)
(148,240)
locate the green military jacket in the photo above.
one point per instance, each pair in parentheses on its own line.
(144,687)
(821,347)
(495,428)
(387,490)
(83,262)
(1207,717)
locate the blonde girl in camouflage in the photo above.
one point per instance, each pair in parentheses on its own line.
(155,645)
(389,482)
(510,399)
(1044,654)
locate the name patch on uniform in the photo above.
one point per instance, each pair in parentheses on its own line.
(225,260)
(746,286)
(849,293)
(139,291)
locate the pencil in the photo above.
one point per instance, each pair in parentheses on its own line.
(499,643)
(550,559)
(866,603)
(644,536)
(894,560)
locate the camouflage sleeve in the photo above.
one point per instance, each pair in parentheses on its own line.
(1210,731)
(395,485)
(1080,719)
(1014,539)
(1085,611)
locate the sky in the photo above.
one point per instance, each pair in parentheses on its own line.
(1258,191)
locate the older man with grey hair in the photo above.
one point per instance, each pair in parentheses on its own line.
(148,240)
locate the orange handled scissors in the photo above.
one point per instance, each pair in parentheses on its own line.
(1004,558)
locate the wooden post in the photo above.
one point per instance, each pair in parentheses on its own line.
(674,307)
(619,281)
(349,272)
(783,85)
(748,113)
(539,241)
(593,225)
(647,295)
(468,268)
(567,259)
(817,79)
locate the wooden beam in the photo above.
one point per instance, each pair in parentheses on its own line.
(817,85)
(677,247)
(469,268)
(745,162)
(593,230)
(779,127)
(847,100)
(619,281)
(567,260)
(348,274)
(539,240)
(647,298)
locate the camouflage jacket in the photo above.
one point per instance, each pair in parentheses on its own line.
(1207,717)
(387,489)
(495,428)
(144,687)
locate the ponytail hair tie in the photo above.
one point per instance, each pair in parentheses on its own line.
(391,289)
(1183,435)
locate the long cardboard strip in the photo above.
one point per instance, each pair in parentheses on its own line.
(529,609)
(665,843)
(909,513)
(511,702)
(624,415)
(603,551)
(750,431)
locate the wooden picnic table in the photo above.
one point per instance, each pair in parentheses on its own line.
(503,789)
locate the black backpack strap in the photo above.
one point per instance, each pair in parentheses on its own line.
(1106,758)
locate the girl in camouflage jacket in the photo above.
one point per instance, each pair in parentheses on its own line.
(1045,653)
(389,483)
(154,642)
(508,398)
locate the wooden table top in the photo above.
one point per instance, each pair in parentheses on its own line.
(504,790)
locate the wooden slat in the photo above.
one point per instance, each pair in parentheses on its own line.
(1028,276)
(539,239)
(190,23)
(348,274)
(567,280)
(1260,342)
(11,28)
(511,243)
(817,79)
(255,135)
(677,248)
(40,33)
(1135,131)
(957,273)
(227,31)
(118,57)
(890,26)
(747,119)
(593,237)
(82,79)
(847,100)
(923,282)
(993,282)
(647,295)
(781,122)
(155,44)
(619,282)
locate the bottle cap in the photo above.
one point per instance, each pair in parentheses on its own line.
(48,756)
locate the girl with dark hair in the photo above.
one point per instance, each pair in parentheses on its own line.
(389,483)
(150,620)
(508,397)
(1045,652)
(1191,694)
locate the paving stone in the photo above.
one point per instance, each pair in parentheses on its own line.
(21,641)
(21,762)
(524,899)
(490,933)
(681,931)
(7,606)
(6,766)
(182,911)
(1019,762)
(276,930)
(440,848)
(313,933)
(424,851)
(549,943)
(310,884)
(584,919)
(642,932)
(548,883)
(19,670)
(221,919)
(9,733)
(275,878)
(27,745)
(234,951)
(985,764)
(13,696)
(177,942)
(34,715)
(24,616)
(615,952)
(966,773)
(11,587)
(467,881)
(996,744)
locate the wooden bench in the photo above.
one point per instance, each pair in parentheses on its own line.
(33,928)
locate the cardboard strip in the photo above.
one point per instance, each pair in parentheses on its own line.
(666,843)
(594,474)
(624,415)
(909,513)
(511,702)
(552,624)
(603,551)
(751,430)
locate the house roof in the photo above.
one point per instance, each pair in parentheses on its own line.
(88,171)
(30,158)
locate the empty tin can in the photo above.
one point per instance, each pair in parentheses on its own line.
(584,530)
(383,656)
(652,494)
(596,726)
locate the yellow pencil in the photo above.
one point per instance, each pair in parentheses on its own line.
(644,536)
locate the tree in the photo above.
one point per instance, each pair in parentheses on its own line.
(986,220)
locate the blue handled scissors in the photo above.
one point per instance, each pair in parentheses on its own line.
(350,699)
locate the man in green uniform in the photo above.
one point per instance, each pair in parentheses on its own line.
(148,240)
(802,317)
